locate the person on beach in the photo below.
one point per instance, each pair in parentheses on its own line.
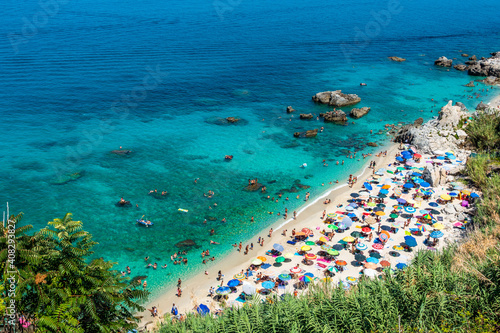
(293,232)
(179,283)
(179,292)
(294,215)
(239,247)
(251,246)
(284,233)
(270,232)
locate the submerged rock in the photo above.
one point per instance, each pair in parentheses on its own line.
(372,144)
(470,84)
(443,62)
(336,98)
(66,178)
(306,134)
(397,59)
(121,151)
(253,187)
(464,55)
(186,243)
(226,121)
(358,113)
(306,116)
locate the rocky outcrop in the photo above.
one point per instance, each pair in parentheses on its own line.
(336,98)
(460,67)
(306,116)
(418,121)
(372,144)
(289,109)
(487,67)
(441,133)
(464,55)
(397,59)
(338,116)
(358,113)
(473,58)
(470,84)
(491,80)
(461,106)
(306,134)
(481,106)
(443,62)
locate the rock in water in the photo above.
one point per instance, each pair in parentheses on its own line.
(289,109)
(372,144)
(338,116)
(232,119)
(336,98)
(418,121)
(66,178)
(397,59)
(470,84)
(473,58)
(121,152)
(306,116)
(464,55)
(186,243)
(253,187)
(358,113)
(306,134)
(443,62)
(460,67)
(487,67)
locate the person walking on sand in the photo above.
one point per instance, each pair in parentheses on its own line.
(239,247)
(270,232)
(294,215)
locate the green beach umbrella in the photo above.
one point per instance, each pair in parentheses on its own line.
(333,252)
(356,234)
(400,168)
(280,259)
(310,243)
(371,204)
(394,216)
(333,226)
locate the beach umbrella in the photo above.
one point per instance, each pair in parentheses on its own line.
(349,208)
(305,248)
(466,192)
(261,258)
(323,239)
(342,226)
(458,224)
(366,229)
(384,236)
(333,226)
(239,276)
(410,210)
(264,266)
(410,241)
(288,255)
(370,220)
(341,262)
(399,159)
(437,234)
(369,272)
(332,252)
(421,227)
(368,186)
(417,156)
(284,277)
(445,197)
(203,309)
(351,280)
(393,216)
(452,157)
(380,213)
(438,226)
(280,259)
(401,265)
(400,168)
(311,256)
(331,215)
(372,259)
(268,285)
(233,283)
(375,254)
(348,239)
(401,201)
(371,204)
(248,288)
(223,291)
(408,185)
(370,265)
(359,257)
(398,248)
(397,191)
(396,224)
(278,247)
(351,215)
(453,194)
(474,195)
(356,234)
(425,184)
(256,262)
(440,158)
(394,254)
(295,270)
(384,191)
(310,243)
(386,187)
(305,278)
(361,246)
(378,246)
(384,263)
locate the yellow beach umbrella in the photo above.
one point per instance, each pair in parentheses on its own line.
(445,197)
(386,187)
(465,192)
(348,239)
(305,248)
(264,259)
(438,226)
(288,255)
(323,239)
(380,213)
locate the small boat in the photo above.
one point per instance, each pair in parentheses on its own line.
(147,223)
(182,210)
(228,157)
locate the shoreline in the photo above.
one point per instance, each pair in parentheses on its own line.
(195,289)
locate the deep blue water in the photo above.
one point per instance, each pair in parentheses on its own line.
(154,76)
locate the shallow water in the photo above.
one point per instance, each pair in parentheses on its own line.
(74,91)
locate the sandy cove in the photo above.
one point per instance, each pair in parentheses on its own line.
(195,289)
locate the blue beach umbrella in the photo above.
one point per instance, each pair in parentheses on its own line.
(384,191)
(401,265)
(452,157)
(399,159)
(425,184)
(347,222)
(268,285)
(423,211)
(309,274)
(410,210)
(372,260)
(474,195)
(361,246)
(453,194)
(278,247)
(284,277)
(265,266)
(233,283)
(203,309)
(437,234)
(440,158)
(416,174)
(418,180)
(433,204)
(351,215)
(408,185)
(368,186)
(349,208)
(401,201)
(410,241)
(223,291)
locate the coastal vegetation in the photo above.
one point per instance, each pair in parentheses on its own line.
(453,290)
(58,288)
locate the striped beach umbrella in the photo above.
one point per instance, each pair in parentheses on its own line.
(437,234)
(410,210)
(239,276)
(378,246)
(361,246)
(223,291)
(284,277)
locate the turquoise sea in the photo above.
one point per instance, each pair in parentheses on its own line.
(82,78)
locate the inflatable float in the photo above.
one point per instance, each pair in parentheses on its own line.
(147,223)
(183,210)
